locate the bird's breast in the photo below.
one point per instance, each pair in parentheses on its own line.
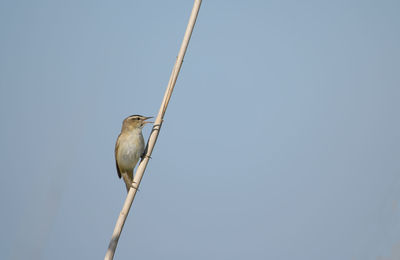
(131,147)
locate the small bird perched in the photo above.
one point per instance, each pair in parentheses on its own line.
(129,147)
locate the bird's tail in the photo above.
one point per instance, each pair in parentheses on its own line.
(128,179)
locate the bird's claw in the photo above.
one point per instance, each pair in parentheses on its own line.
(135,186)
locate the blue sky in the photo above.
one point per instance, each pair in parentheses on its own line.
(281,140)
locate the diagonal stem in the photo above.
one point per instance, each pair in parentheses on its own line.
(154,134)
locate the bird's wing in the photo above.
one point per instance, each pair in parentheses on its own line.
(115,152)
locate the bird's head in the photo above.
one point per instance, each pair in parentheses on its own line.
(135,122)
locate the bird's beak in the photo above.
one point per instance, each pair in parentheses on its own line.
(146,122)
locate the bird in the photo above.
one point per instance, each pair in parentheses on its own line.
(130,147)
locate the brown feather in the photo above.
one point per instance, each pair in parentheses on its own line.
(115,153)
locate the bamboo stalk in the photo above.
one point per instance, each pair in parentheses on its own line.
(154,134)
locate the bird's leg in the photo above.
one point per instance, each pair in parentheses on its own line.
(144,154)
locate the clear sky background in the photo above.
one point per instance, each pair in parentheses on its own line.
(281,141)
